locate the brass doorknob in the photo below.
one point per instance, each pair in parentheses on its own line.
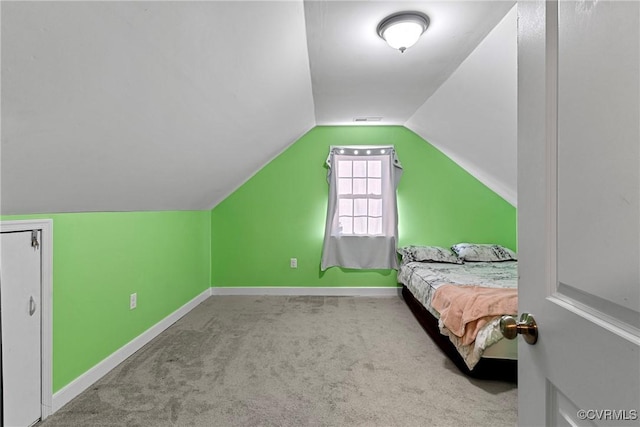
(527,327)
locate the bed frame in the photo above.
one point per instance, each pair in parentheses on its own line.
(486,369)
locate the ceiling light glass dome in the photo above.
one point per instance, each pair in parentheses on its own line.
(402,30)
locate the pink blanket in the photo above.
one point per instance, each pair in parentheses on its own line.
(464,309)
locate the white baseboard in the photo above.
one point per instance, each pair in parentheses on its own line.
(80,384)
(304,291)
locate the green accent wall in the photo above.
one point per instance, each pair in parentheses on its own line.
(280,212)
(99,259)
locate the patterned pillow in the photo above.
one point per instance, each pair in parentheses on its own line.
(483,252)
(428,254)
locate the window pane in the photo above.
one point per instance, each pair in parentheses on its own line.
(360,168)
(359,186)
(344,168)
(360,207)
(375,226)
(346,225)
(345,207)
(344,185)
(360,225)
(375,207)
(375,169)
(375,186)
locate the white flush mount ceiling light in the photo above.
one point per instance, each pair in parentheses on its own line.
(403,29)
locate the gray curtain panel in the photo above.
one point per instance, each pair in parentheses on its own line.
(361,229)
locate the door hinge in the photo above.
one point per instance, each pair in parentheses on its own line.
(34,240)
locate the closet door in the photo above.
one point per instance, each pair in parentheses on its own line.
(20,288)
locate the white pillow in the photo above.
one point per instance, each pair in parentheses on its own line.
(428,254)
(477,252)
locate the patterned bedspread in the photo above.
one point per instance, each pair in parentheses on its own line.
(422,278)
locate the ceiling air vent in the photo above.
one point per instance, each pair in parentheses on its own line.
(367,119)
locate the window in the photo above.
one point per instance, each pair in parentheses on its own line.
(360,197)
(361,227)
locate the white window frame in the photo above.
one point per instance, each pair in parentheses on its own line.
(372,212)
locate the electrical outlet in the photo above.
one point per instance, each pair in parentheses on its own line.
(294,262)
(133,301)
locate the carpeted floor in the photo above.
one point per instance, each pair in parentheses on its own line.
(291,361)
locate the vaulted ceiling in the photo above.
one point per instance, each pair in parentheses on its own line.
(123,106)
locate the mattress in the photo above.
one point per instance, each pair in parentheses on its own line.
(423,278)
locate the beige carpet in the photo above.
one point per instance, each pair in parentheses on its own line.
(291,361)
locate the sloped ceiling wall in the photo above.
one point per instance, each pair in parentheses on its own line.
(125,106)
(472,117)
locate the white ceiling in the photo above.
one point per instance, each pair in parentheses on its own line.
(473,116)
(356,74)
(122,106)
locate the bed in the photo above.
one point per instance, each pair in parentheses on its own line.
(490,269)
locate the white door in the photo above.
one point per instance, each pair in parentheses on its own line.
(578,211)
(20,289)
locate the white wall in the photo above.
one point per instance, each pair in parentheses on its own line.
(472,117)
(135,106)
